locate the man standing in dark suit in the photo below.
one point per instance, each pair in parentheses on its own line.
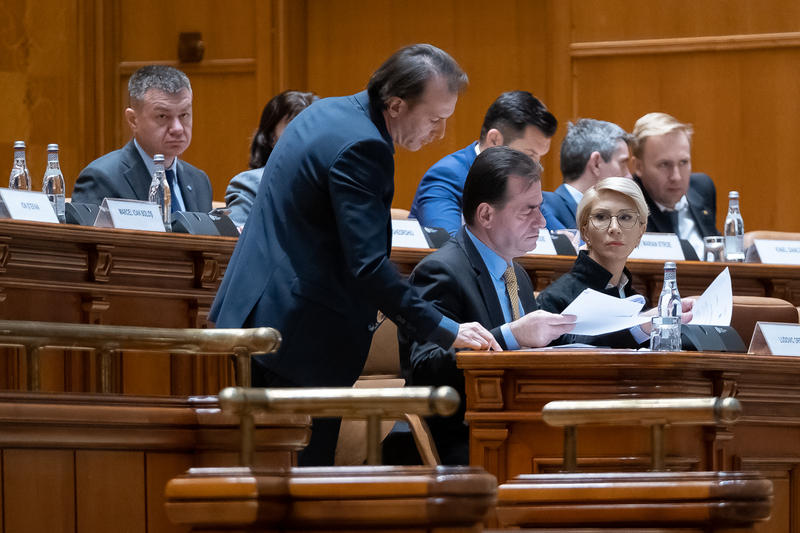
(160,117)
(680,202)
(473,278)
(313,259)
(591,151)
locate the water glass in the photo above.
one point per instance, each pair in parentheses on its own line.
(665,335)
(714,249)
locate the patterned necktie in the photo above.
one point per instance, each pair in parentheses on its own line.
(171,182)
(513,291)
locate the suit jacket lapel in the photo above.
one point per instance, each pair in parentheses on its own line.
(700,214)
(658,221)
(186,187)
(483,278)
(568,199)
(526,297)
(136,175)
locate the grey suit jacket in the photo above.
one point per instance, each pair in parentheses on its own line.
(123,174)
(241,194)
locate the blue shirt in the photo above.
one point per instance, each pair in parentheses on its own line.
(497,266)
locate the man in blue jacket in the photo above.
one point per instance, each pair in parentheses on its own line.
(313,259)
(516,119)
(591,151)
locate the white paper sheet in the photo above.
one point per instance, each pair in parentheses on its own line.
(715,306)
(597,313)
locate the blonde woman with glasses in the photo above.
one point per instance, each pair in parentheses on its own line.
(612,217)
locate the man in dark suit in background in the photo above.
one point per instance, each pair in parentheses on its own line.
(591,150)
(313,259)
(160,117)
(473,278)
(516,119)
(680,202)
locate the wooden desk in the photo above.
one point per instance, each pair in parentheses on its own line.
(749,279)
(506,393)
(74,274)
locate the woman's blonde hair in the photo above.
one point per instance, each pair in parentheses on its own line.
(624,186)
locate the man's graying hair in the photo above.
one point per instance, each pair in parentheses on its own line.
(584,137)
(167,79)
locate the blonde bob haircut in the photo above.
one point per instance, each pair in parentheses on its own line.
(624,186)
(654,124)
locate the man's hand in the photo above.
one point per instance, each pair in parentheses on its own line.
(474,336)
(540,328)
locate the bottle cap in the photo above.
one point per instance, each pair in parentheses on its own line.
(52,147)
(158,158)
(669,264)
(733,194)
(19,145)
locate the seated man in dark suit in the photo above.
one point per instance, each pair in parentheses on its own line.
(473,277)
(160,117)
(591,150)
(516,119)
(680,202)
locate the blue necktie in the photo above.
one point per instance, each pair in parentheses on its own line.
(171,182)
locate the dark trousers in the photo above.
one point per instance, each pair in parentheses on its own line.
(321,448)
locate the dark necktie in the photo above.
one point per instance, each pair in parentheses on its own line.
(171,182)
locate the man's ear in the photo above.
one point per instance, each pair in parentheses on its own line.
(637,165)
(484,215)
(494,138)
(130,118)
(395,106)
(594,163)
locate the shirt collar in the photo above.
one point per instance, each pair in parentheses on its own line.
(148,161)
(494,263)
(682,204)
(575,193)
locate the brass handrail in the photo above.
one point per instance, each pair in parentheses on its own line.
(656,413)
(372,404)
(34,336)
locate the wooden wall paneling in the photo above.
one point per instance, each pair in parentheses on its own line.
(39,491)
(160,468)
(99,502)
(145,373)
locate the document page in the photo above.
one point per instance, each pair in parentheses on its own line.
(715,306)
(597,313)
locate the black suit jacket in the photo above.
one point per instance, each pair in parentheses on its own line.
(586,274)
(458,283)
(123,174)
(313,259)
(702,198)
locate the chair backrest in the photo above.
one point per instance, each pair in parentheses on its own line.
(747,310)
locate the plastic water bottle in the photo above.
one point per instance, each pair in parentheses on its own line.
(159,193)
(669,303)
(734,230)
(20,178)
(53,182)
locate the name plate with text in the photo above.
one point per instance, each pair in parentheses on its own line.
(408,234)
(775,338)
(778,252)
(129,214)
(664,246)
(544,244)
(28,205)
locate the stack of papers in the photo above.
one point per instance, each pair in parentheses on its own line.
(597,313)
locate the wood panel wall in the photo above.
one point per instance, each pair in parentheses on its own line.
(729,67)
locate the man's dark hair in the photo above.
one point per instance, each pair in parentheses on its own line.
(584,138)
(162,77)
(514,111)
(288,105)
(487,179)
(407,71)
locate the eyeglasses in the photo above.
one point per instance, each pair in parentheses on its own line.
(625,219)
